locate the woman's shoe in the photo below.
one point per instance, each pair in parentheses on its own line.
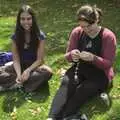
(49,119)
(77,117)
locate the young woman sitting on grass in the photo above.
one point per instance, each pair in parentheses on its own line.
(28,42)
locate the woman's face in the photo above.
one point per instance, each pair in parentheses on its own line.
(26,21)
(89,29)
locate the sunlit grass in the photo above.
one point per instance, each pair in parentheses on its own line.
(57,20)
(7,25)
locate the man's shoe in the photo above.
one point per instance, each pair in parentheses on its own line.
(83,117)
(77,116)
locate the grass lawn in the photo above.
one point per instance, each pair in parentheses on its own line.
(57,20)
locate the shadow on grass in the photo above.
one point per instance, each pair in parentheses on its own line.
(95,106)
(16,98)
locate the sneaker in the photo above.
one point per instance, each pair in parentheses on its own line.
(1,88)
(105,98)
(73,117)
(83,117)
(15,86)
(49,119)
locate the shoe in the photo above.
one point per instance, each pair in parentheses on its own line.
(83,117)
(77,116)
(49,119)
(73,117)
(1,88)
(105,98)
(15,86)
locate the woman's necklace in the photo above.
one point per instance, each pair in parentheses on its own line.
(27,40)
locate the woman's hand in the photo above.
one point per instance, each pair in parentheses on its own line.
(86,56)
(75,55)
(18,79)
(25,75)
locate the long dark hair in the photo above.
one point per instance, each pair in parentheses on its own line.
(20,32)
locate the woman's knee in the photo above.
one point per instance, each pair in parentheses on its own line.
(10,69)
(45,68)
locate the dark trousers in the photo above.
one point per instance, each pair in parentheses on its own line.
(71,96)
(37,77)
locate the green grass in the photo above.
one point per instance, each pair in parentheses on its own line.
(57,20)
(7,25)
